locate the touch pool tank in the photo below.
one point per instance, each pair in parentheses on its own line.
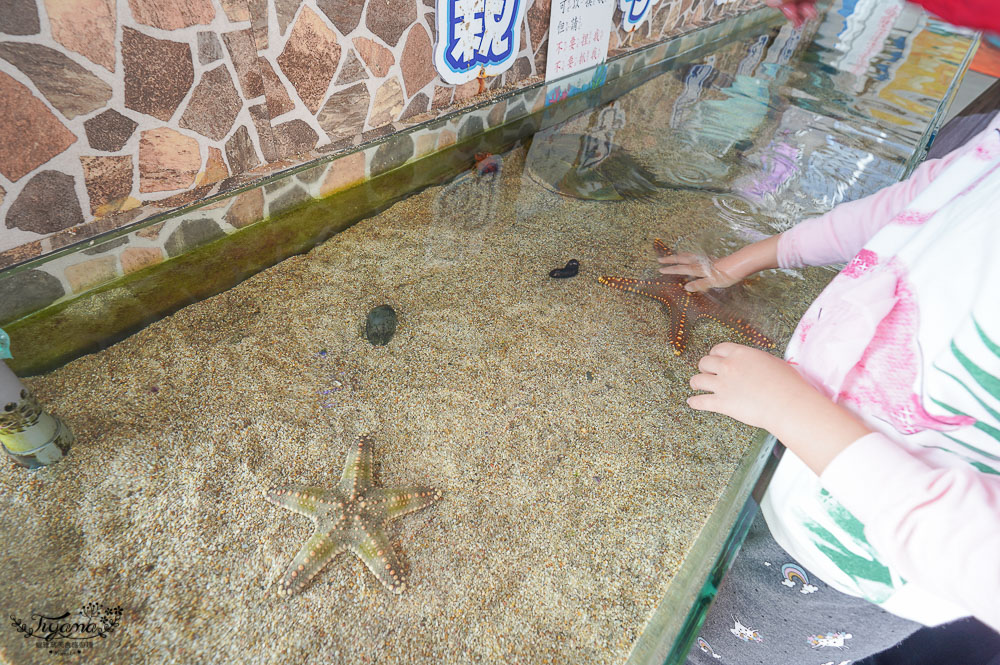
(547,496)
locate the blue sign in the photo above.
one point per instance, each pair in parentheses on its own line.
(477,38)
(634,12)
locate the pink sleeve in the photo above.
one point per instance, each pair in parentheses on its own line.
(841,233)
(939,526)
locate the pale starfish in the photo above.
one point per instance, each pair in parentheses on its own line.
(686,308)
(352,516)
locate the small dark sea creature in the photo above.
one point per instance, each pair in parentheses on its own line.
(570,270)
(380,325)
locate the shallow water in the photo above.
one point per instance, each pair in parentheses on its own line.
(550,413)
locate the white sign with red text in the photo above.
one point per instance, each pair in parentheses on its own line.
(578,36)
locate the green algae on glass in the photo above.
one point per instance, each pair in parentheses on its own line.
(351,517)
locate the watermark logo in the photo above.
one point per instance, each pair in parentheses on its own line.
(69,632)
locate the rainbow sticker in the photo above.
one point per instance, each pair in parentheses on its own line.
(790,572)
(707,648)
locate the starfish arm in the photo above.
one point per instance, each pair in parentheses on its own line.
(311,559)
(401,501)
(302,499)
(661,249)
(357,476)
(748,332)
(679,329)
(377,554)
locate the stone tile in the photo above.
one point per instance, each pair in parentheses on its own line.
(172,15)
(466,90)
(134,259)
(520,70)
(27,292)
(86,27)
(91,273)
(392,154)
(168,160)
(19,17)
(538,20)
(426,144)
(30,134)
(243,52)
(192,233)
(19,254)
(310,58)
(351,69)
(344,173)
(388,103)
(378,58)
(540,55)
(106,246)
(209,48)
(213,106)
(68,86)
(109,131)
(472,126)
(311,175)
(416,106)
(259,23)
(377,133)
(151,232)
(285,9)
(108,180)
(284,202)
(442,96)
(3,193)
(446,138)
(278,101)
(47,203)
(417,61)
(240,152)
(496,114)
(294,138)
(215,168)
(344,113)
(265,137)
(236,10)
(344,14)
(247,208)
(390,18)
(158,73)
(516,111)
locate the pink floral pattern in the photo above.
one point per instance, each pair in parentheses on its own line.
(862,263)
(882,382)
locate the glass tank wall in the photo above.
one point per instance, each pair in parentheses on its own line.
(558,500)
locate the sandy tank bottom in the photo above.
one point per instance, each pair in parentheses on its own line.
(550,414)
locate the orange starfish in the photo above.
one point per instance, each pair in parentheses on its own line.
(684,306)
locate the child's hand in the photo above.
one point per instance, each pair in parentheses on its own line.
(703,268)
(759,389)
(747,384)
(796,11)
(726,271)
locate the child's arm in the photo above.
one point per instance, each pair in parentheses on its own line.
(831,238)
(940,527)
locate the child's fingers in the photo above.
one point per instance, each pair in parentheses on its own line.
(704,402)
(684,259)
(699,285)
(684,269)
(710,364)
(706,382)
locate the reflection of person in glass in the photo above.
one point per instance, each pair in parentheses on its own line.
(884,513)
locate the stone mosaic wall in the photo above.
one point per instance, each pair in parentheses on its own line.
(117,110)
